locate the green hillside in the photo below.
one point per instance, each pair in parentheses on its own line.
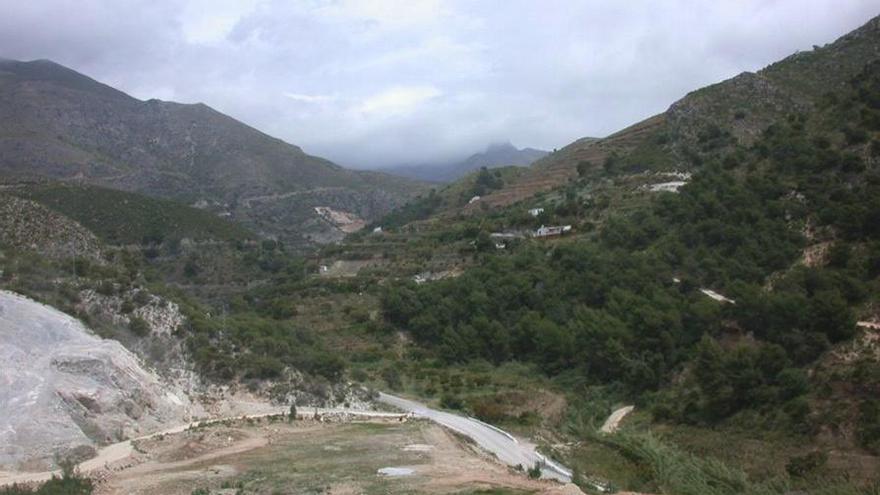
(55,124)
(118,217)
(451,197)
(726,311)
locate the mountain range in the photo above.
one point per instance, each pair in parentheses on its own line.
(495,155)
(58,124)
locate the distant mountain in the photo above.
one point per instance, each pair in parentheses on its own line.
(495,155)
(60,124)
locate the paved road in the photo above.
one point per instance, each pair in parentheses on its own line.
(506,448)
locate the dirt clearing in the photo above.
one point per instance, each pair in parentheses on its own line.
(276,457)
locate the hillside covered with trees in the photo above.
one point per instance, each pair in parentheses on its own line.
(786,227)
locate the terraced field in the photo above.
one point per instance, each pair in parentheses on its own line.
(558,168)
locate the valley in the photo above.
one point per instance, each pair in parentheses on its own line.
(686,306)
(128,466)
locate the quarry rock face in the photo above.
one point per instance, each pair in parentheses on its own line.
(64,390)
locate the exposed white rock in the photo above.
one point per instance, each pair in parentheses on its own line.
(672,186)
(162,316)
(64,388)
(343,220)
(716,296)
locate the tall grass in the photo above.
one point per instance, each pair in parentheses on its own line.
(676,472)
(681,473)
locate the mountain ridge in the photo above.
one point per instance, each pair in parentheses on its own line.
(63,125)
(497,154)
(740,107)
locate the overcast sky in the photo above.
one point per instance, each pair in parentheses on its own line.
(382,82)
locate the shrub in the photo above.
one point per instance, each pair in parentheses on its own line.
(392,378)
(139,326)
(450,401)
(535,471)
(70,483)
(805,464)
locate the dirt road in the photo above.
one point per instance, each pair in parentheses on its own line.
(504,446)
(613,422)
(116,452)
(508,449)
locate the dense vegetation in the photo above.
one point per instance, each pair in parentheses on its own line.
(126,218)
(258,343)
(233,332)
(623,308)
(449,197)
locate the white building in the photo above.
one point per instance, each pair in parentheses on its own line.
(552,230)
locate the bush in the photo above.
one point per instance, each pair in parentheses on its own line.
(359,375)
(535,471)
(806,464)
(106,288)
(869,425)
(584,167)
(489,410)
(392,378)
(70,483)
(139,326)
(450,401)
(127,306)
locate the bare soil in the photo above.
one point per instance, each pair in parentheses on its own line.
(268,457)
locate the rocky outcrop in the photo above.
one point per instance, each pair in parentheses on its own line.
(65,390)
(28,225)
(744,106)
(747,104)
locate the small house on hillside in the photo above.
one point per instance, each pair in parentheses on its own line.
(536,211)
(552,230)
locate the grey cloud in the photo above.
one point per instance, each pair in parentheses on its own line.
(378,82)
